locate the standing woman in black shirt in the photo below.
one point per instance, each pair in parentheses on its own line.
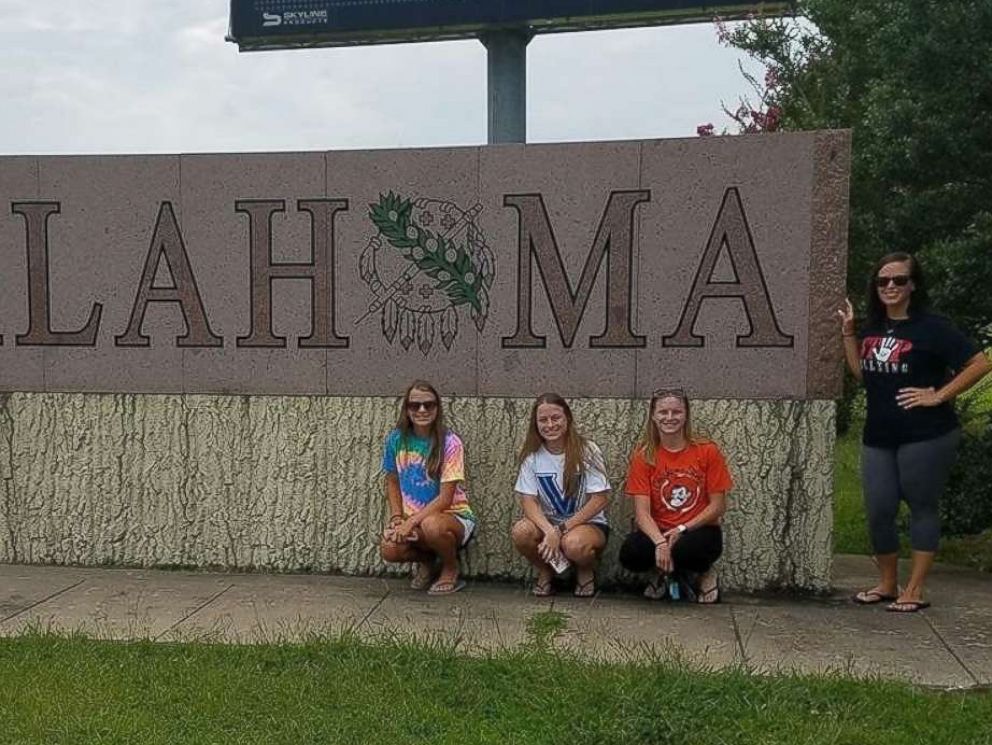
(913,363)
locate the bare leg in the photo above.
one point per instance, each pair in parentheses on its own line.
(888,571)
(442,535)
(582,545)
(402,553)
(526,538)
(913,591)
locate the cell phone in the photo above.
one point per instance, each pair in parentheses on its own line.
(559,563)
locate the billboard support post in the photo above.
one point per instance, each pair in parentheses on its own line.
(506,64)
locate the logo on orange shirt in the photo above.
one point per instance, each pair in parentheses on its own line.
(679,490)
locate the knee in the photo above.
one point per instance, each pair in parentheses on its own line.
(525,533)
(580,549)
(391,552)
(434,528)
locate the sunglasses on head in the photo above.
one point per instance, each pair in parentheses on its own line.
(899,280)
(672,391)
(418,405)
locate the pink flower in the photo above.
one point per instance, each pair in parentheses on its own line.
(773,118)
(722,33)
(704,130)
(772,77)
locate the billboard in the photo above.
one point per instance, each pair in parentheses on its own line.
(281,24)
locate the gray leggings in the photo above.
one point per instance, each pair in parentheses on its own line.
(915,472)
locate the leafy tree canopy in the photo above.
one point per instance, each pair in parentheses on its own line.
(913,80)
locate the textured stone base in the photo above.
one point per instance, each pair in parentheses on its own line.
(294,483)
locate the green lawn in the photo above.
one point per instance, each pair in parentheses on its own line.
(74,691)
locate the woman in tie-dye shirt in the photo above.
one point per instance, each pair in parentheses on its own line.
(429,515)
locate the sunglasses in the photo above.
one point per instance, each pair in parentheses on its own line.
(427,406)
(899,280)
(665,392)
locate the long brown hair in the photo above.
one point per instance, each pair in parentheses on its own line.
(918,300)
(650,440)
(578,454)
(435,456)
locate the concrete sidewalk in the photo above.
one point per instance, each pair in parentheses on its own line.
(948,645)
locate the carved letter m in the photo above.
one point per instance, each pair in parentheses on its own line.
(614,237)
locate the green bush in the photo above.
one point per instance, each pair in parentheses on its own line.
(966,505)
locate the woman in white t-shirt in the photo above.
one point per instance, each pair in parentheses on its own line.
(563,489)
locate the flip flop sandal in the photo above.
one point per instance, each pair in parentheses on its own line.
(909,606)
(872,597)
(657,589)
(543,589)
(709,595)
(421,580)
(446,587)
(586,589)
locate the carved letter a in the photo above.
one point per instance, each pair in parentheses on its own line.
(731,230)
(167,244)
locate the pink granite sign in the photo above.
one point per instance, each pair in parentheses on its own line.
(602,269)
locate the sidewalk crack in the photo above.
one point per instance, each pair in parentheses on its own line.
(951,651)
(35,604)
(193,612)
(371,611)
(737,635)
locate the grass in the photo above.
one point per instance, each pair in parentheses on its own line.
(850,529)
(76,691)
(545,626)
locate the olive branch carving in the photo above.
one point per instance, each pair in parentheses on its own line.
(441,259)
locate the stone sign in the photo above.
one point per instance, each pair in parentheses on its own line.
(602,269)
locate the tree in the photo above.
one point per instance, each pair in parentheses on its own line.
(913,80)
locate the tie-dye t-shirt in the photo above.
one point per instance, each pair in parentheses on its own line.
(407,460)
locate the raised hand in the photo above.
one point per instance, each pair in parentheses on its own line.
(846,318)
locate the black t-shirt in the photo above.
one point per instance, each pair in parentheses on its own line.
(918,352)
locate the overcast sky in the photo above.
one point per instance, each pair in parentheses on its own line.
(128,76)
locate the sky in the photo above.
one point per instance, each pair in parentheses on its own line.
(156,76)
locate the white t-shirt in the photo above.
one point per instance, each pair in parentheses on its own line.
(541,475)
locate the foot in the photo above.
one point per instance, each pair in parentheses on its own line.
(447,584)
(907,606)
(709,588)
(543,585)
(423,574)
(657,588)
(909,601)
(873,596)
(585,583)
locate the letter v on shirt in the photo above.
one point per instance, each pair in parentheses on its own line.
(542,476)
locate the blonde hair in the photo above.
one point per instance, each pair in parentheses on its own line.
(650,440)
(578,454)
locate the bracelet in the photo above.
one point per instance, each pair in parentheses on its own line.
(395,519)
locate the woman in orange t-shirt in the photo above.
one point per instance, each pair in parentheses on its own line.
(679,485)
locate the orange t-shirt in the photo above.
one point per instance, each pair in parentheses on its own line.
(679,484)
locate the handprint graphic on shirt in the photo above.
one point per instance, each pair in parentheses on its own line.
(885,348)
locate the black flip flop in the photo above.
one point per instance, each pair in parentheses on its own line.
(911,606)
(872,597)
